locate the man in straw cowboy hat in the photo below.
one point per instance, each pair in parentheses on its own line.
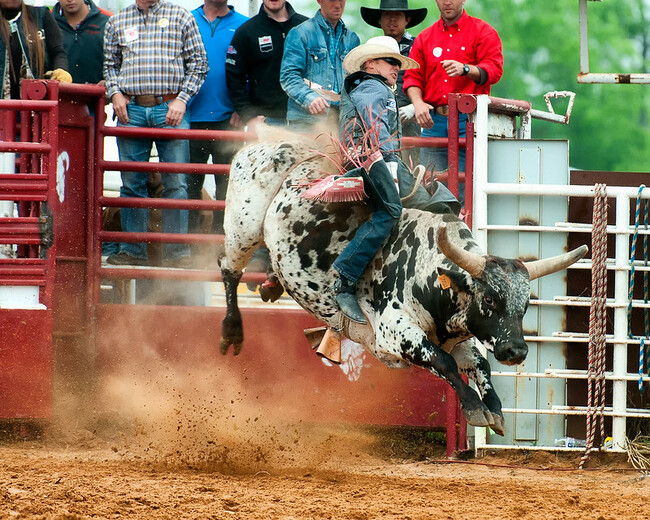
(394,18)
(369,113)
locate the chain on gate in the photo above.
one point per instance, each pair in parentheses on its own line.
(597,321)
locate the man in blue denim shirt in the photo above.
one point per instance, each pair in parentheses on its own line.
(312,60)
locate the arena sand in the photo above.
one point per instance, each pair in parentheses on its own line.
(157,440)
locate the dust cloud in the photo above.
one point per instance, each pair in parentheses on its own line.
(197,414)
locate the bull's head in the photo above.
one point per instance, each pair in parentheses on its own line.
(501,293)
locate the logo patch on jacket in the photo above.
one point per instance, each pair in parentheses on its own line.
(391,105)
(231,50)
(266,43)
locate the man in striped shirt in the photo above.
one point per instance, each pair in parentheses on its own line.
(154,62)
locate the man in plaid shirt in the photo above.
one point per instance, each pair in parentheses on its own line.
(154,62)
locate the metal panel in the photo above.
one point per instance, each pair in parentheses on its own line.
(26,361)
(276,367)
(531,162)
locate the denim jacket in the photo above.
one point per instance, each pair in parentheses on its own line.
(307,56)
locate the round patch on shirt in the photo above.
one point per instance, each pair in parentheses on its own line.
(437,52)
(164,22)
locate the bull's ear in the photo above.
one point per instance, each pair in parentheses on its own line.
(455,279)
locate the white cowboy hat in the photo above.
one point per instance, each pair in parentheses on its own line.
(377,47)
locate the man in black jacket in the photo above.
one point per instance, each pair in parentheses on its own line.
(253,64)
(253,77)
(82,27)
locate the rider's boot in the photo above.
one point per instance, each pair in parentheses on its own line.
(346,298)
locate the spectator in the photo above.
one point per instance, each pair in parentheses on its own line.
(458,53)
(253,77)
(20,26)
(393,17)
(211,108)
(82,29)
(149,89)
(253,64)
(312,66)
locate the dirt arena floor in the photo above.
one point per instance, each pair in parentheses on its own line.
(303,472)
(158,445)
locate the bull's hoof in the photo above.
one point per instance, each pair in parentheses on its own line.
(498,425)
(224,346)
(271,290)
(478,417)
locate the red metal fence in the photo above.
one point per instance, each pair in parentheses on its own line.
(90,338)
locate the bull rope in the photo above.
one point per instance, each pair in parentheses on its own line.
(597,322)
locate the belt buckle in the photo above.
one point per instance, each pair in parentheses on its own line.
(443,110)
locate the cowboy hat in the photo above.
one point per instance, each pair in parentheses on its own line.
(374,48)
(372,16)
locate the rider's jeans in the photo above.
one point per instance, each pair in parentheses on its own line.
(384,200)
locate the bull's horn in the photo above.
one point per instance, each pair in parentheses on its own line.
(539,268)
(471,262)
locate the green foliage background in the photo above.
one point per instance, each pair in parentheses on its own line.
(610,124)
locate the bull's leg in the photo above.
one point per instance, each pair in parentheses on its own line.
(232,332)
(477,368)
(419,350)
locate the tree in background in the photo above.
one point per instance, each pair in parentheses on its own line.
(610,124)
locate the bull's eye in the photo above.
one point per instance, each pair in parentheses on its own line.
(489,301)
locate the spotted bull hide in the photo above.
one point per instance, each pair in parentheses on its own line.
(423,306)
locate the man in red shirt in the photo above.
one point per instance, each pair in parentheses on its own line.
(458,53)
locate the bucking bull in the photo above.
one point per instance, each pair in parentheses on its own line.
(427,293)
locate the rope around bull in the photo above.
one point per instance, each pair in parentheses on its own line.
(597,322)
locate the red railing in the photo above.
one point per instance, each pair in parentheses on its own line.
(32,184)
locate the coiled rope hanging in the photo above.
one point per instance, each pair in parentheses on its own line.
(597,321)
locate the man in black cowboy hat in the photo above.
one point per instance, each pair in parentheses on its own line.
(394,17)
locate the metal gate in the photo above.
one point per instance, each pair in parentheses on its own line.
(523,194)
(27,268)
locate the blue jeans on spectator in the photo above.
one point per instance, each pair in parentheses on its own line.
(435,159)
(134,184)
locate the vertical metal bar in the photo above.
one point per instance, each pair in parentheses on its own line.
(584,37)
(469,172)
(52,135)
(452,144)
(479,203)
(452,407)
(23,207)
(621,283)
(96,186)
(480,166)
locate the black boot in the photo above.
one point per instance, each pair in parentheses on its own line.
(346,298)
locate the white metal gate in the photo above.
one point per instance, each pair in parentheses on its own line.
(534,394)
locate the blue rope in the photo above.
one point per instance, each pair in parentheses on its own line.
(631,288)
